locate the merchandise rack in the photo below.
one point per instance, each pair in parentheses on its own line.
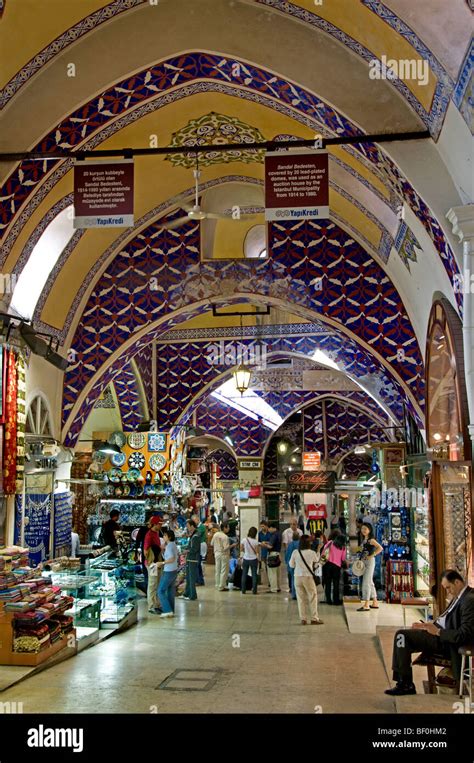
(400,581)
(9,657)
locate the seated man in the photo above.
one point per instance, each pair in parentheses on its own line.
(452,629)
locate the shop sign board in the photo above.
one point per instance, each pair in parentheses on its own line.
(311,461)
(296,185)
(312,482)
(103,194)
(256,463)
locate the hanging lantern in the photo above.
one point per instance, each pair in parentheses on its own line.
(242,378)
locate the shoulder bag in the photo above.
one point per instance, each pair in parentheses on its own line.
(325,555)
(316,578)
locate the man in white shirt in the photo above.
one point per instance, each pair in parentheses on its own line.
(287,535)
(75,544)
(221,545)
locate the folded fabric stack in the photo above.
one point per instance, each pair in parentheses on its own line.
(55,632)
(33,616)
(18,606)
(65,622)
(12,593)
(31,638)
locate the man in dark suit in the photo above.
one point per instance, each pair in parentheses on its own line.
(452,629)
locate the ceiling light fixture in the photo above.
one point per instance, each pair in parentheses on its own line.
(242,373)
(228,438)
(282,447)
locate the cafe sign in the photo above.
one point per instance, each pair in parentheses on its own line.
(312,482)
(311,461)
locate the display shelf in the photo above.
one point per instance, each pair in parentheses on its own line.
(10,657)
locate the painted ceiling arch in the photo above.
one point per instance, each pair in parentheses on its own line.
(92,120)
(357,297)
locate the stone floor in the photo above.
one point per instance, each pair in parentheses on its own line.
(259,657)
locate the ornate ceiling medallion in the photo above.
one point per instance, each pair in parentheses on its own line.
(211,129)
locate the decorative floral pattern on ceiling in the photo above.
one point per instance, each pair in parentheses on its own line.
(226,463)
(405,244)
(91,123)
(340,425)
(129,400)
(212,129)
(159,272)
(248,435)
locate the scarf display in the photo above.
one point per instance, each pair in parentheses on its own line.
(10,443)
(20,421)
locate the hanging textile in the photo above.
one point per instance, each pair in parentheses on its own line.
(20,422)
(9,449)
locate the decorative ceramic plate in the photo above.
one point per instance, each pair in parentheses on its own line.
(149,490)
(118,490)
(173,451)
(139,489)
(156,441)
(133,475)
(179,459)
(137,440)
(118,459)
(126,489)
(183,462)
(109,490)
(99,458)
(136,461)
(117,438)
(157,462)
(115,475)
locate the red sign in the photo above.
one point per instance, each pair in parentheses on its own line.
(296,185)
(103,194)
(311,461)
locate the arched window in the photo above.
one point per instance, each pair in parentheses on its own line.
(38,420)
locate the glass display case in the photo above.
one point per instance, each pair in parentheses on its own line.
(86,606)
(114,586)
(421,554)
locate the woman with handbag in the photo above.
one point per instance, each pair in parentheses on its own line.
(303,561)
(249,547)
(335,555)
(370,549)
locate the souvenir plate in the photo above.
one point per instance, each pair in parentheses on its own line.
(137,440)
(133,475)
(118,459)
(156,441)
(139,490)
(149,490)
(173,451)
(136,460)
(179,460)
(126,490)
(115,475)
(183,462)
(117,438)
(157,462)
(99,458)
(118,490)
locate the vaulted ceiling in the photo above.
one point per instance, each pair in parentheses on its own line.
(90,73)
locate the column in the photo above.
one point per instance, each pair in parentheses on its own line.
(462,220)
(352,522)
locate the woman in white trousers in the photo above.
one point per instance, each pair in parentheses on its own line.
(303,561)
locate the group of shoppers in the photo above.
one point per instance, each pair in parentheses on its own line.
(161,561)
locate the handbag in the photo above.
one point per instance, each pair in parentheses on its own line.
(273,559)
(316,578)
(358,567)
(325,555)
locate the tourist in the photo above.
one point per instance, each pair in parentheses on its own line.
(263,538)
(292,546)
(303,561)
(152,551)
(169,566)
(370,549)
(332,568)
(273,559)
(221,546)
(75,543)
(249,548)
(286,539)
(452,629)
(192,561)
(202,532)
